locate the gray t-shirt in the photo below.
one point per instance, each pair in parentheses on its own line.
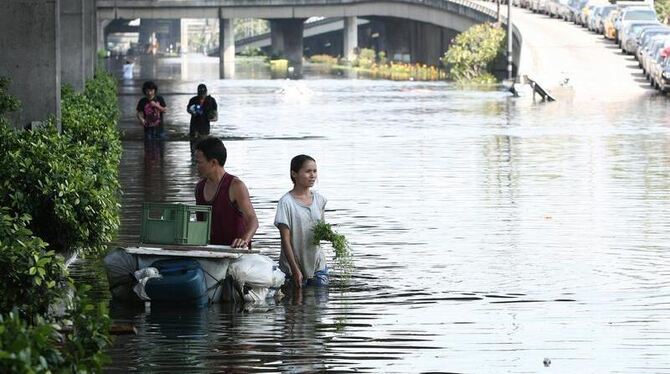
(300,220)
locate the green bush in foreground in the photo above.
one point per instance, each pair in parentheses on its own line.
(35,276)
(33,337)
(68,182)
(472,52)
(58,193)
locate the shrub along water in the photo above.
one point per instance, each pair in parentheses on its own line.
(58,193)
(472,52)
(67,183)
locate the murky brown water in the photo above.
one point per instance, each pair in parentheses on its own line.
(489,233)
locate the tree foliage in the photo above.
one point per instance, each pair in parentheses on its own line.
(472,53)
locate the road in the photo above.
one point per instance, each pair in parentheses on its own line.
(554,50)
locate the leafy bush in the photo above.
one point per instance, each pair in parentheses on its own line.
(28,348)
(35,276)
(64,187)
(75,345)
(252,52)
(8,103)
(472,52)
(67,183)
(366,58)
(663,10)
(323,59)
(86,333)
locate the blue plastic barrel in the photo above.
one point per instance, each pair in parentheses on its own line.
(183,281)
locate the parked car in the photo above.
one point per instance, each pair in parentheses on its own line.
(585,14)
(630,31)
(555,8)
(651,55)
(609,28)
(601,15)
(655,65)
(538,6)
(664,81)
(644,41)
(632,14)
(524,4)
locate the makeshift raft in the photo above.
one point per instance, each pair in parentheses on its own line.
(186,275)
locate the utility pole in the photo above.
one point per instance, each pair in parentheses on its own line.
(498,10)
(509,39)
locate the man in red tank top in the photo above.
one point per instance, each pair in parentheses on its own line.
(233,220)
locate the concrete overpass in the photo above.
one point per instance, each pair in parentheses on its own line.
(49,42)
(287,21)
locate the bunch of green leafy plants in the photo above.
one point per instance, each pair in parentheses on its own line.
(324,232)
(343,256)
(473,52)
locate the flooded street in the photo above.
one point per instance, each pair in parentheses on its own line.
(489,232)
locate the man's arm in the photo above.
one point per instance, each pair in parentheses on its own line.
(239,194)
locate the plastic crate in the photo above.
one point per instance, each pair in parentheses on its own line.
(164,223)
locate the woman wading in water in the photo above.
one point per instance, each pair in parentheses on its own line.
(297,213)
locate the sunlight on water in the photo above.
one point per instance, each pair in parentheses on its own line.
(489,233)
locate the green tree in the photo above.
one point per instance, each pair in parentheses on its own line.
(472,52)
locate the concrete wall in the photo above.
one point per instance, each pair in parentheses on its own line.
(72,43)
(30,46)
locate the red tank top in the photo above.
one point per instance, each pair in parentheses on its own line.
(226,221)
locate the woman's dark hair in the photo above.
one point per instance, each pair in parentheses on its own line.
(149,85)
(213,148)
(297,162)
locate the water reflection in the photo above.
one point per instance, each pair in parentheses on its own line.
(488,233)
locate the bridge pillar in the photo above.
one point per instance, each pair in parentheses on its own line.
(226,48)
(72,43)
(101,34)
(350,38)
(90,38)
(286,36)
(31,55)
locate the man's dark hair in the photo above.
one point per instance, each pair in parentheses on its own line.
(148,85)
(202,89)
(297,162)
(213,148)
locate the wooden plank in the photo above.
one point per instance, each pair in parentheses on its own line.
(176,247)
(179,253)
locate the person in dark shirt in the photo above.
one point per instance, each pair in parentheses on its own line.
(233,220)
(203,110)
(150,111)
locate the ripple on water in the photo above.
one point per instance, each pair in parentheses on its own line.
(488,233)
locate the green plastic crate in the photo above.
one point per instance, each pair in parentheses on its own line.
(165,223)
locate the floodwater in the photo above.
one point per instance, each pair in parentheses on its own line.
(489,232)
